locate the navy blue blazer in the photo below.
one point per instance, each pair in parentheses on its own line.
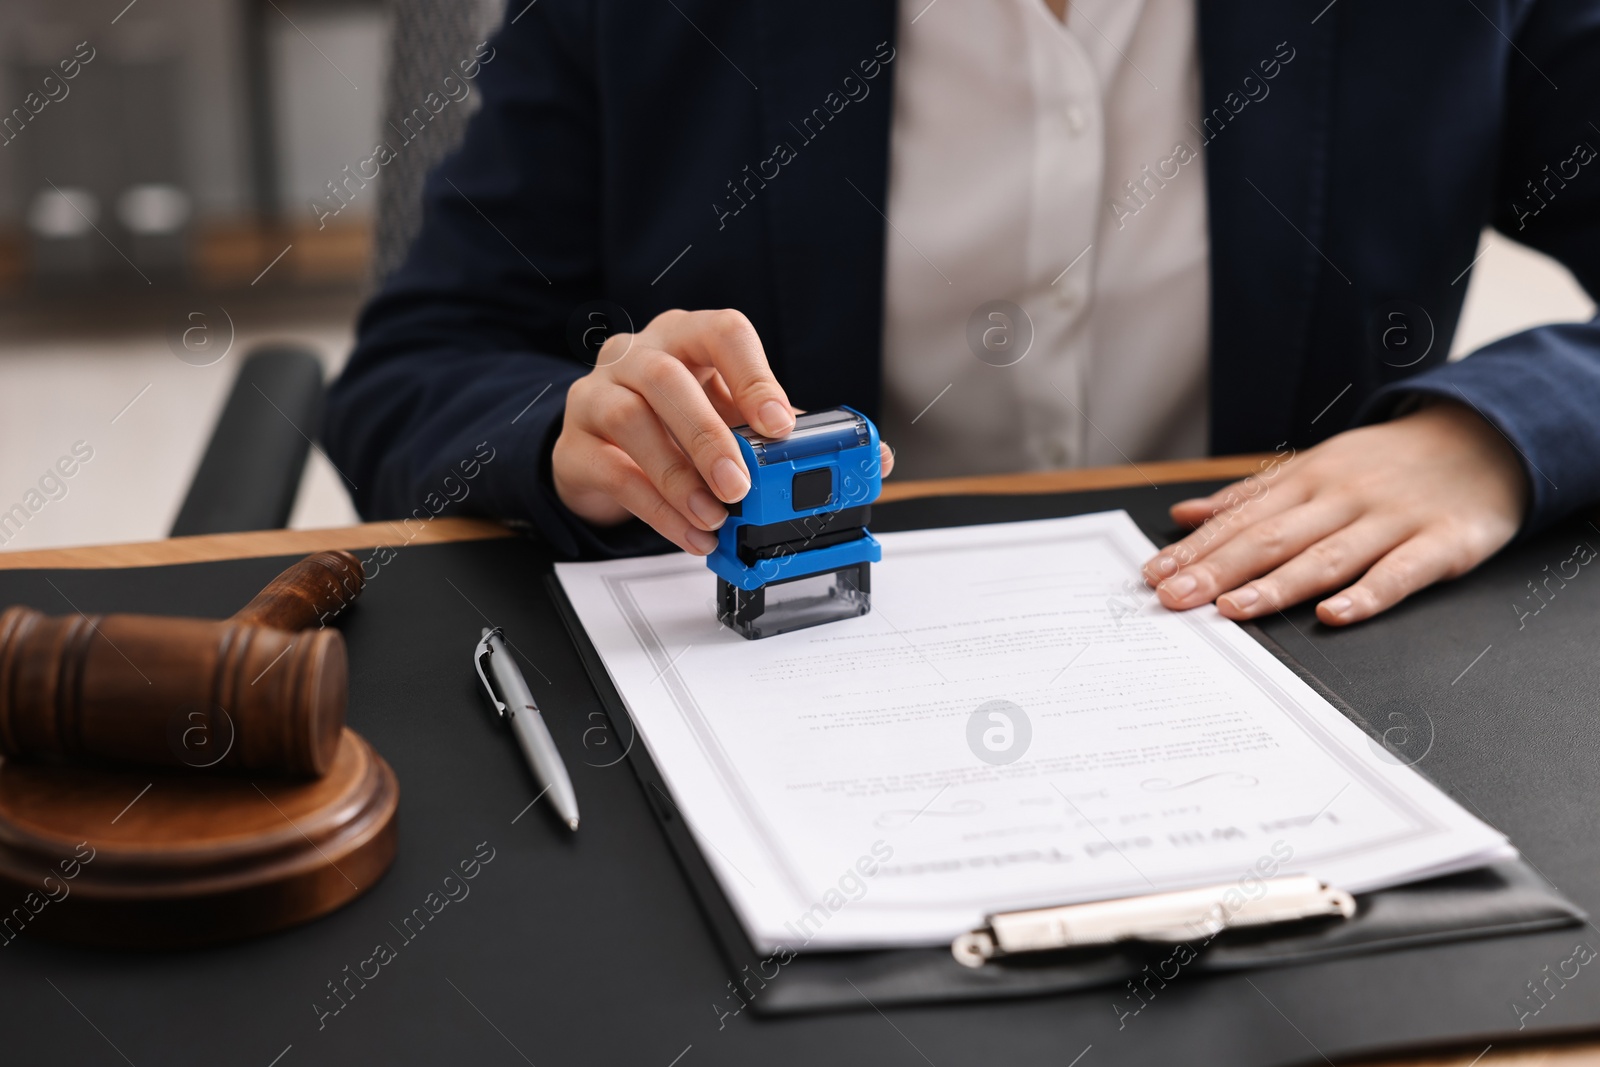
(706,153)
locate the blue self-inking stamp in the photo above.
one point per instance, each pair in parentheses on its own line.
(795,551)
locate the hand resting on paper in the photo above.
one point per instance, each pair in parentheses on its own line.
(1371,515)
(646,432)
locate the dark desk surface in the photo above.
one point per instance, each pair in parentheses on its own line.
(450,1001)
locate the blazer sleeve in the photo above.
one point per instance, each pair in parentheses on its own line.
(1541,387)
(455,390)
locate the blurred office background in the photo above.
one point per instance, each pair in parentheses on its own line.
(155,213)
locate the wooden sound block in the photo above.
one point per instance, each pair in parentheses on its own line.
(138,859)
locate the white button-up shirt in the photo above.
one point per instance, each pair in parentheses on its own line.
(1047,285)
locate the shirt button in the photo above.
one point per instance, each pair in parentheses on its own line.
(1077,119)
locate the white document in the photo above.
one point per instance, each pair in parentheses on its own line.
(1017,723)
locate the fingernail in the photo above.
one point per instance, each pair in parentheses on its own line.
(702,542)
(1242,598)
(1179,587)
(732,483)
(1164,566)
(1337,605)
(775,419)
(705,507)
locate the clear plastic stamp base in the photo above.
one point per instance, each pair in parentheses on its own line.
(783,607)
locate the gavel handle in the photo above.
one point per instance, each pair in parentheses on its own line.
(311,592)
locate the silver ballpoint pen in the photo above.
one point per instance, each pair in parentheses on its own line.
(512,699)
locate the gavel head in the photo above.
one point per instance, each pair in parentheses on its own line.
(170,692)
(251,694)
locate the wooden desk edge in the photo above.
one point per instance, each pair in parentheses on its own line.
(434,531)
(209,547)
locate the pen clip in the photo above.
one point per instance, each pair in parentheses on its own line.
(483,651)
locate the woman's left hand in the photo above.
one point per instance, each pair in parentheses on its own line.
(1372,515)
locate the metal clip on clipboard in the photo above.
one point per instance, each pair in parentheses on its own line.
(1163,918)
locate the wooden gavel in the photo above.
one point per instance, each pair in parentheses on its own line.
(260,691)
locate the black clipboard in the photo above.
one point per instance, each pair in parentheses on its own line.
(1502,899)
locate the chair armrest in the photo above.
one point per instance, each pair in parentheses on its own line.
(251,468)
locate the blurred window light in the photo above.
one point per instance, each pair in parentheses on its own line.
(62,213)
(153,209)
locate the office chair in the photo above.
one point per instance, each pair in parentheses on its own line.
(251,469)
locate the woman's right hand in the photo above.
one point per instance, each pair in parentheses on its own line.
(646,432)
